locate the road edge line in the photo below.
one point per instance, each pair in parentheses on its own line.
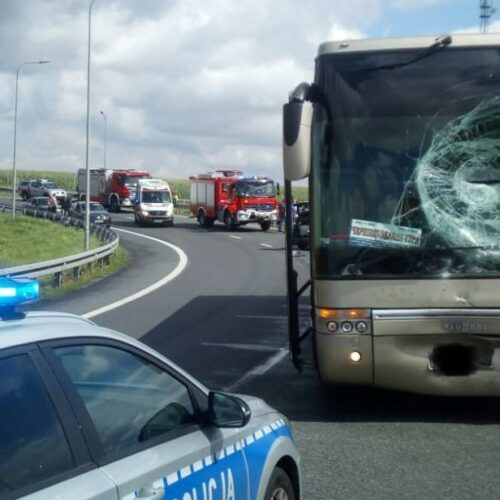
(183,262)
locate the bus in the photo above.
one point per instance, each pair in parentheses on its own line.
(399,139)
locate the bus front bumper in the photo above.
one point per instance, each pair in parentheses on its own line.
(437,364)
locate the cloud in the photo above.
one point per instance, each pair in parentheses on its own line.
(187,85)
(416,4)
(494,27)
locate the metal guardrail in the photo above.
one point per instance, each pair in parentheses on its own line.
(75,262)
(181,203)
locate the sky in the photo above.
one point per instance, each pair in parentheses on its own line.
(187,86)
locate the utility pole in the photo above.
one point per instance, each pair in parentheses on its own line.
(486,11)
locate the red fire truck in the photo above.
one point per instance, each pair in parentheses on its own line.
(232,198)
(114,189)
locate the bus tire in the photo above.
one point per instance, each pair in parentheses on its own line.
(280,486)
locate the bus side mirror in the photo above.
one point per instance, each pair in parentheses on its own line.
(297,121)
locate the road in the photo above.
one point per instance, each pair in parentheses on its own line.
(224,319)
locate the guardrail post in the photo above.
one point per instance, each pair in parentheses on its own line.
(76,272)
(57,279)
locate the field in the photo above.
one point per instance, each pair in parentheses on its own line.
(67,181)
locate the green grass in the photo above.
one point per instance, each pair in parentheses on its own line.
(25,240)
(67,180)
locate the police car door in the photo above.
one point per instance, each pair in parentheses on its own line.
(146,425)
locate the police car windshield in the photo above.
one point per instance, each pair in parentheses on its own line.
(256,188)
(50,185)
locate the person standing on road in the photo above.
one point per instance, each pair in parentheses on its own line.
(66,205)
(52,204)
(281,215)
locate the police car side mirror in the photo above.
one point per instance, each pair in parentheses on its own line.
(226,410)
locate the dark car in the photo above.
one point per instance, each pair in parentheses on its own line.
(98,214)
(301,233)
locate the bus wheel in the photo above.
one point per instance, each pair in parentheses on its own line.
(280,486)
(265,225)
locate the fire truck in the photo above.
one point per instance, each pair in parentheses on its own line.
(153,203)
(114,189)
(232,198)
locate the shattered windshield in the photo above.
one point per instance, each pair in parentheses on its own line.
(411,182)
(256,188)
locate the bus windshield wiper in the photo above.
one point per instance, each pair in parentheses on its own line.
(440,43)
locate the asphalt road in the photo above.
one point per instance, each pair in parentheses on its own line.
(224,319)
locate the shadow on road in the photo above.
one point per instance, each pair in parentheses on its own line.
(219,339)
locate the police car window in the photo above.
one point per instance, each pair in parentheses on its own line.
(129,399)
(32,441)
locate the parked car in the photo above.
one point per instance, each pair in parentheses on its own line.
(98,214)
(43,187)
(301,233)
(91,413)
(23,189)
(40,203)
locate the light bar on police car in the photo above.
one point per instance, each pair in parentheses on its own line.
(14,292)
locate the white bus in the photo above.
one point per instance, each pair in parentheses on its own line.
(400,141)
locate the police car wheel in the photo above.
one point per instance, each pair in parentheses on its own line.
(280,486)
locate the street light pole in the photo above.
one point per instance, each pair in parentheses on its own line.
(87,170)
(14,180)
(105,134)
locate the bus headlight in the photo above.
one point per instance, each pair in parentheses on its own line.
(355,356)
(361,327)
(332,326)
(346,327)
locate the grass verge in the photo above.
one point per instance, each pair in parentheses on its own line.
(25,240)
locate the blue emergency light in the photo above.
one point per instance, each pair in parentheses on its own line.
(16,292)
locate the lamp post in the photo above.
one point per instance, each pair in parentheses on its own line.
(14,180)
(105,133)
(87,170)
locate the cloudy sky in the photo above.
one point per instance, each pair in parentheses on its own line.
(187,86)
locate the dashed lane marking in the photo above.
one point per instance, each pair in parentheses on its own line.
(183,262)
(266,245)
(235,237)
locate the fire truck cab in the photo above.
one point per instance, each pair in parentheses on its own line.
(232,198)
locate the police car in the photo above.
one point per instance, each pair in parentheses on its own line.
(89,413)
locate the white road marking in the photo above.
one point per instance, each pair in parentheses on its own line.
(259,370)
(183,262)
(235,237)
(265,245)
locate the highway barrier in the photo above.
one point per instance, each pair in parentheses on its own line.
(75,262)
